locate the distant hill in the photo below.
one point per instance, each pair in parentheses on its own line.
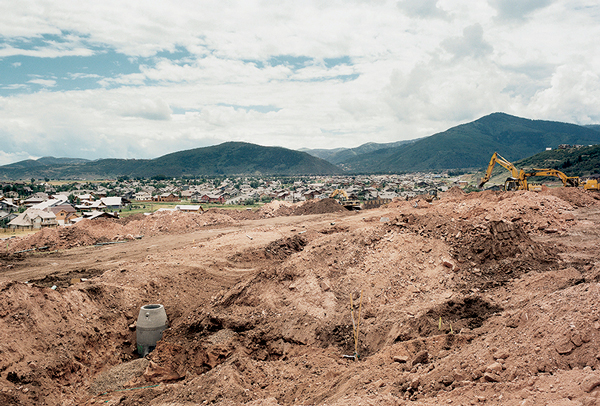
(593,126)
(471,145)
(584,161)
(339,155)
(230,158)
(42,162)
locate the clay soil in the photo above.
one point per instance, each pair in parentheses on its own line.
(486,298)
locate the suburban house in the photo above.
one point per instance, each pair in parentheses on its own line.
(8,205)
(6,216)
(113,203)
(196,197)
(92,215)
(33,219)
(89,206)
(195,208)
(210,198)
(143,197)
(36,198)
(64,213)
(166,197)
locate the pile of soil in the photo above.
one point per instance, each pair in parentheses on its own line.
(277,208)
(318,207)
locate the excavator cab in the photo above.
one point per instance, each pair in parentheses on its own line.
(511,184)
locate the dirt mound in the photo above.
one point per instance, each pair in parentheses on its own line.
(90,232)
(237,215)
(276,208)
(454,192)
(175,222)
(575,196)
(128,219)
(285,247)
(315,206)
(86,232)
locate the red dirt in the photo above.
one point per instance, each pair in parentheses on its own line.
(485,298)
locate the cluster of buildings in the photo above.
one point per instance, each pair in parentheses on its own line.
(70,203)
(44,210)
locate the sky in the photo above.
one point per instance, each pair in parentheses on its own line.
(140,79)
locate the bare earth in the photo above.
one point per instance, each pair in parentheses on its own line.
(489,298)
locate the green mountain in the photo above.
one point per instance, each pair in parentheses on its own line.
(471,145)
(230,158)
(581,161)
(43,162)
(339,155)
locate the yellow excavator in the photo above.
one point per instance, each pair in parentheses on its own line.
(591,184)
(568,181)
(339,192)
(512,183)
(342,197)
(518,177)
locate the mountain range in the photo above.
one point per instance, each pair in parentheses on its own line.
(339,155)
(468,145)
(471,145)
(230,158)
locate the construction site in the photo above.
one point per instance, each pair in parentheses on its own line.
(485,298)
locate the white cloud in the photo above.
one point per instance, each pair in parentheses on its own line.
(471,43)
(405,69)
(151,109)
(43,82)
(517,9)
(422,8)
(80,75)
(8,158)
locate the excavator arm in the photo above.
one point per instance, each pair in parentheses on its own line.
(497,159)
(339,192)
(568,181)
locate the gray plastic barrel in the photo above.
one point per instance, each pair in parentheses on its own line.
(151,323)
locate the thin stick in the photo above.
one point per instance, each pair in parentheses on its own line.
(358,326)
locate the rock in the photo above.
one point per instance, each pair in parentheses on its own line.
(447,380)
(576,339)
(448,264)
(495,367)
(400,358)
(513,321)
(564,347)
(421,358)
(503,354)
(491,377)
(589,383)
(155,373)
